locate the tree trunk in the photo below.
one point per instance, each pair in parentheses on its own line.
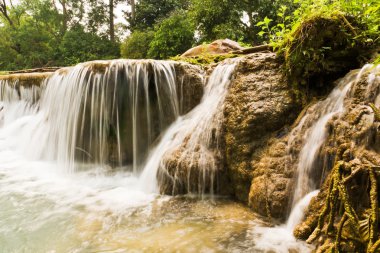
(4,11)
(111,20)
(133,9)
(65,15)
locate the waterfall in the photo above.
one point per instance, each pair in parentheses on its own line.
(103,112)
(315,122)
(195,134)
(311,132)
(122,113)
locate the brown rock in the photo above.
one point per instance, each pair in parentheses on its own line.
(217,47)
(259,104)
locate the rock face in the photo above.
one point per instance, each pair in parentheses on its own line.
(27,79)
(253,159)
(354,142)
(190,85)
(217,47)
(259,106)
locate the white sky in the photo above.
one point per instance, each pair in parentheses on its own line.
(119,13)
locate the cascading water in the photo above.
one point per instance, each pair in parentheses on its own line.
(87,115)
(313,131)
(130,113)
(317,118)
(194,133)
(100,112)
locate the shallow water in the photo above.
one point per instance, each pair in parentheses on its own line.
(43,210)
(62,206)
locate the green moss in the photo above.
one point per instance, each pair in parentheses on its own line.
(205,58)
(321,47)
(376,112)
(339,207)
(26,80)
(377,60)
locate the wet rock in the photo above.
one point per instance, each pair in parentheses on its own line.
(189,85)
(26,79)
(352,139)
(259,105)
(183,172)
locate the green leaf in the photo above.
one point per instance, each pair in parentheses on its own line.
(267,20)
(261,34)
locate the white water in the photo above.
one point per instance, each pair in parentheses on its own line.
(195,131)
(280,238)
(46,209)
(316,119)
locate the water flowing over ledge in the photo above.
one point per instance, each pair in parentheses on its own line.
(88,148)
(105,112)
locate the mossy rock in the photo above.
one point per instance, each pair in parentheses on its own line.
(26,80)
(204,59)
(322,48)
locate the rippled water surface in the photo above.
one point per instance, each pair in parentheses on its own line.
(44,210)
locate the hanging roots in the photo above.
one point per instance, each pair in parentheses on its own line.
(338,204)
(376,111)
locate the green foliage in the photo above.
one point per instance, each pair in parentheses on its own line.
(204,59)
(323,38)
(151,12)
(136,46)
(78,45)
(31,39)
(235,20)
(276,32)
(173,36)
(216,19)
(377,60)
(34,35)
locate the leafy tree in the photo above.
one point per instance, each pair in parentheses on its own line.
(216,19)
(31,38)
(232,19)
(36,33)
(149,12)
(136,46)
(174,35)
(8,55)
(78,46)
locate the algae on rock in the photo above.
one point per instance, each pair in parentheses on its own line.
(259,106)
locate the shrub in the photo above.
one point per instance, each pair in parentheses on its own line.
(173,36)
(78,46)
(136,46)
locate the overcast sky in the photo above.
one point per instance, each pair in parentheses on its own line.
(119,13)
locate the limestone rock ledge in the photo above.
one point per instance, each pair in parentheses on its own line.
(258,108)
(25,79)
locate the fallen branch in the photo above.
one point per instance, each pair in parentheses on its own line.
(36,70)
(254,49)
